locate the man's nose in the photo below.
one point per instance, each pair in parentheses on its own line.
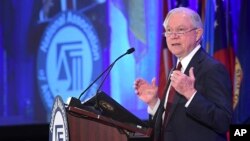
(174,35)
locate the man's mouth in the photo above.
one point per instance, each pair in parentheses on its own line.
(176,44)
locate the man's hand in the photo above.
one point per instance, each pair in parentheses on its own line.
(184,84)
(146,92)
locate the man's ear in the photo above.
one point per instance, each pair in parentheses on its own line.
(199,33)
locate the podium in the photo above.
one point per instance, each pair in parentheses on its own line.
(79,124)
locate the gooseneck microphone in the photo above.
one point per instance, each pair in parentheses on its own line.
(129,51)
(72,101)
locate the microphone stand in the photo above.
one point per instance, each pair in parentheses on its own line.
(77,102)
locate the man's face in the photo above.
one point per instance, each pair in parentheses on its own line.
(181,36)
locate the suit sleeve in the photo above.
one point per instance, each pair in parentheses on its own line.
(212,105)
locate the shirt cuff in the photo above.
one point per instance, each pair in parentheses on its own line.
(189,101)
(153,111)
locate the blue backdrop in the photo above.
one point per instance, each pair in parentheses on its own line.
(58,47)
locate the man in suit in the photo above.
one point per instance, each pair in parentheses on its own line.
(200,109)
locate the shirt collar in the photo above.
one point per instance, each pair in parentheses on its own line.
(185,61)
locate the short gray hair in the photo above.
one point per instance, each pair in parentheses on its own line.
(196,20)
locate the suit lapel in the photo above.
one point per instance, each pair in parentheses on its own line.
(160,111)
(195,61)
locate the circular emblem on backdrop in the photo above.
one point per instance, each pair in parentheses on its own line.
(58,130)
(68,58)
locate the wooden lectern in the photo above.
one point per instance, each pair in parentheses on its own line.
(75,122)
(88,126)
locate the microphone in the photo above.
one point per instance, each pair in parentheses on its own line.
(76,102)
(129,51)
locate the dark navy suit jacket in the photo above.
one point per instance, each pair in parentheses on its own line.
(208,116)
